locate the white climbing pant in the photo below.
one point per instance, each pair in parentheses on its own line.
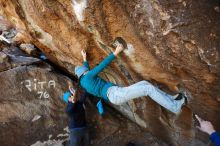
(118,95)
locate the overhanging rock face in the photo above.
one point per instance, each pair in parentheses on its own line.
(172,43)
(32,111)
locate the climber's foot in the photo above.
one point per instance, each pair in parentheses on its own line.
(180,103)
(180,96)
(119,40)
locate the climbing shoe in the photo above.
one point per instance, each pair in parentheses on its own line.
(180,97)
(119,40)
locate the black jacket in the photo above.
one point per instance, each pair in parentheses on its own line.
(76,113)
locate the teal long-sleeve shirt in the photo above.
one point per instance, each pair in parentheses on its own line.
(92,83)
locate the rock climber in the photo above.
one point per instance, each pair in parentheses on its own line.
(93,84)
(79,135)
(207,127)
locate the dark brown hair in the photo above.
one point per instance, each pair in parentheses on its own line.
(79,90)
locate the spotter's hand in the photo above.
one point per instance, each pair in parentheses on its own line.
(205,126)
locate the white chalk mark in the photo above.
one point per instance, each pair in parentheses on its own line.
(35,84)
(46,95)
(39,85)
(41,93)
(79,6)
(203,57)
(66,129)
(63,135)
(36,117)
(130,49)
(51,83)
(29,85)
(151,22)
(42,84)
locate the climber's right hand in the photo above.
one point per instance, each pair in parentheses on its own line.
(83,52)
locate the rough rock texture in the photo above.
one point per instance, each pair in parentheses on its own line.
(30,107)
(174,44)
(11,58)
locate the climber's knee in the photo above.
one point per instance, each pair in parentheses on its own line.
(149,88)
(116,101)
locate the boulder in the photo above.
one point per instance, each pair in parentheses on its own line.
(173,44)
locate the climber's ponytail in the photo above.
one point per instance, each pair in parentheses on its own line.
(79,90)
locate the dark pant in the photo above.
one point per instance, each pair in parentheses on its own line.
(79,137)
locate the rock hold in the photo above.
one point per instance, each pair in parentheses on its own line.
(28,48)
